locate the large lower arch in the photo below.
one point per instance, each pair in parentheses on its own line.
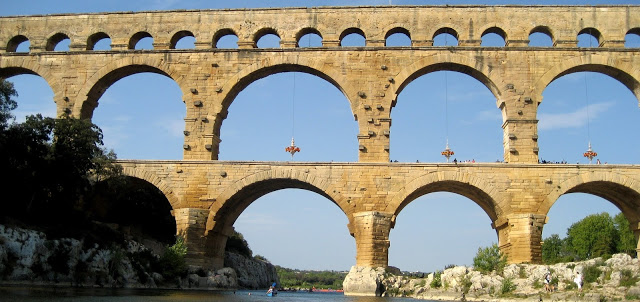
(619,70)
(100,81)
(232,202)
(8,69)
(449,62)
(264,68)
(622,191)
(474,188)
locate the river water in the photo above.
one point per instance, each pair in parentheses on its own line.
(30,294)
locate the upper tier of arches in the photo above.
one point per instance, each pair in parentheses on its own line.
(469,25)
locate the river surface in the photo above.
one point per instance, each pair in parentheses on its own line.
(30,294)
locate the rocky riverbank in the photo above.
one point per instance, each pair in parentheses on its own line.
(613,279)
(28,257)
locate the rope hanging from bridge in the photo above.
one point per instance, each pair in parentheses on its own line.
(590,154)
(447,151)
(293,148)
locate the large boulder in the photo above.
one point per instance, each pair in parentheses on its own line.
(251,272)
(364,281)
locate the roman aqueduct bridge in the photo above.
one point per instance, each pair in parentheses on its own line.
(208,195)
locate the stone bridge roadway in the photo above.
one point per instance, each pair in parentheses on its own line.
(208,196)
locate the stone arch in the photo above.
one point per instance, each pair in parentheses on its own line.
(264,68)
(475,188)
(263,32)
(634,31)
(593,32)
(622,191)
(55,39)
(100,81)
(542,29)
(495,30)
(238,196)
(396,29)
(12,45)
(135,38)
(176,36)
(222,33)
(151,178)
(447,30)
(450,62)
(94,38)
(352,30)
(621,71)
(306,31)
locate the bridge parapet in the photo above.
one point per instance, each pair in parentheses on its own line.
(467,23)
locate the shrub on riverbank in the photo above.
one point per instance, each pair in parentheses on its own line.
(306,279)
(615,278)
(172,263)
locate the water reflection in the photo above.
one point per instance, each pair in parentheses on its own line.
(36,294)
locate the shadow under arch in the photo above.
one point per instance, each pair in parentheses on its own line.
(140,173)
(448,62)
(265,68)
(620,190)
(232,202)
(622,72)
(482,193)
(100,81)
(137,206)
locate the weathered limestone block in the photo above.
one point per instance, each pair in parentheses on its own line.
(372,238)
(364,281)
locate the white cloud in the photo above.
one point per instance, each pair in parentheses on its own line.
(107,98)
(122,119)
(576,119)
(255,219)
(21,115)
(489,115)
(115,131)
(477,95)
(163,4)
(174,127)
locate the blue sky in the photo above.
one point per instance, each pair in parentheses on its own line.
(142,118)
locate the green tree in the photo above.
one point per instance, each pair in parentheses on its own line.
(173,262)
(307,279)
(7,103)
(591,237)
(554,250)
(237,244)
(53,164)
(490,259)
(627,243)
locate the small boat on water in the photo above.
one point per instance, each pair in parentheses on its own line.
(272,290)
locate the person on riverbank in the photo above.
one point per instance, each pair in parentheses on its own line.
(578,280)
(547,282)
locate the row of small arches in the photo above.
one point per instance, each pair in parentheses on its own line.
(269,38)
